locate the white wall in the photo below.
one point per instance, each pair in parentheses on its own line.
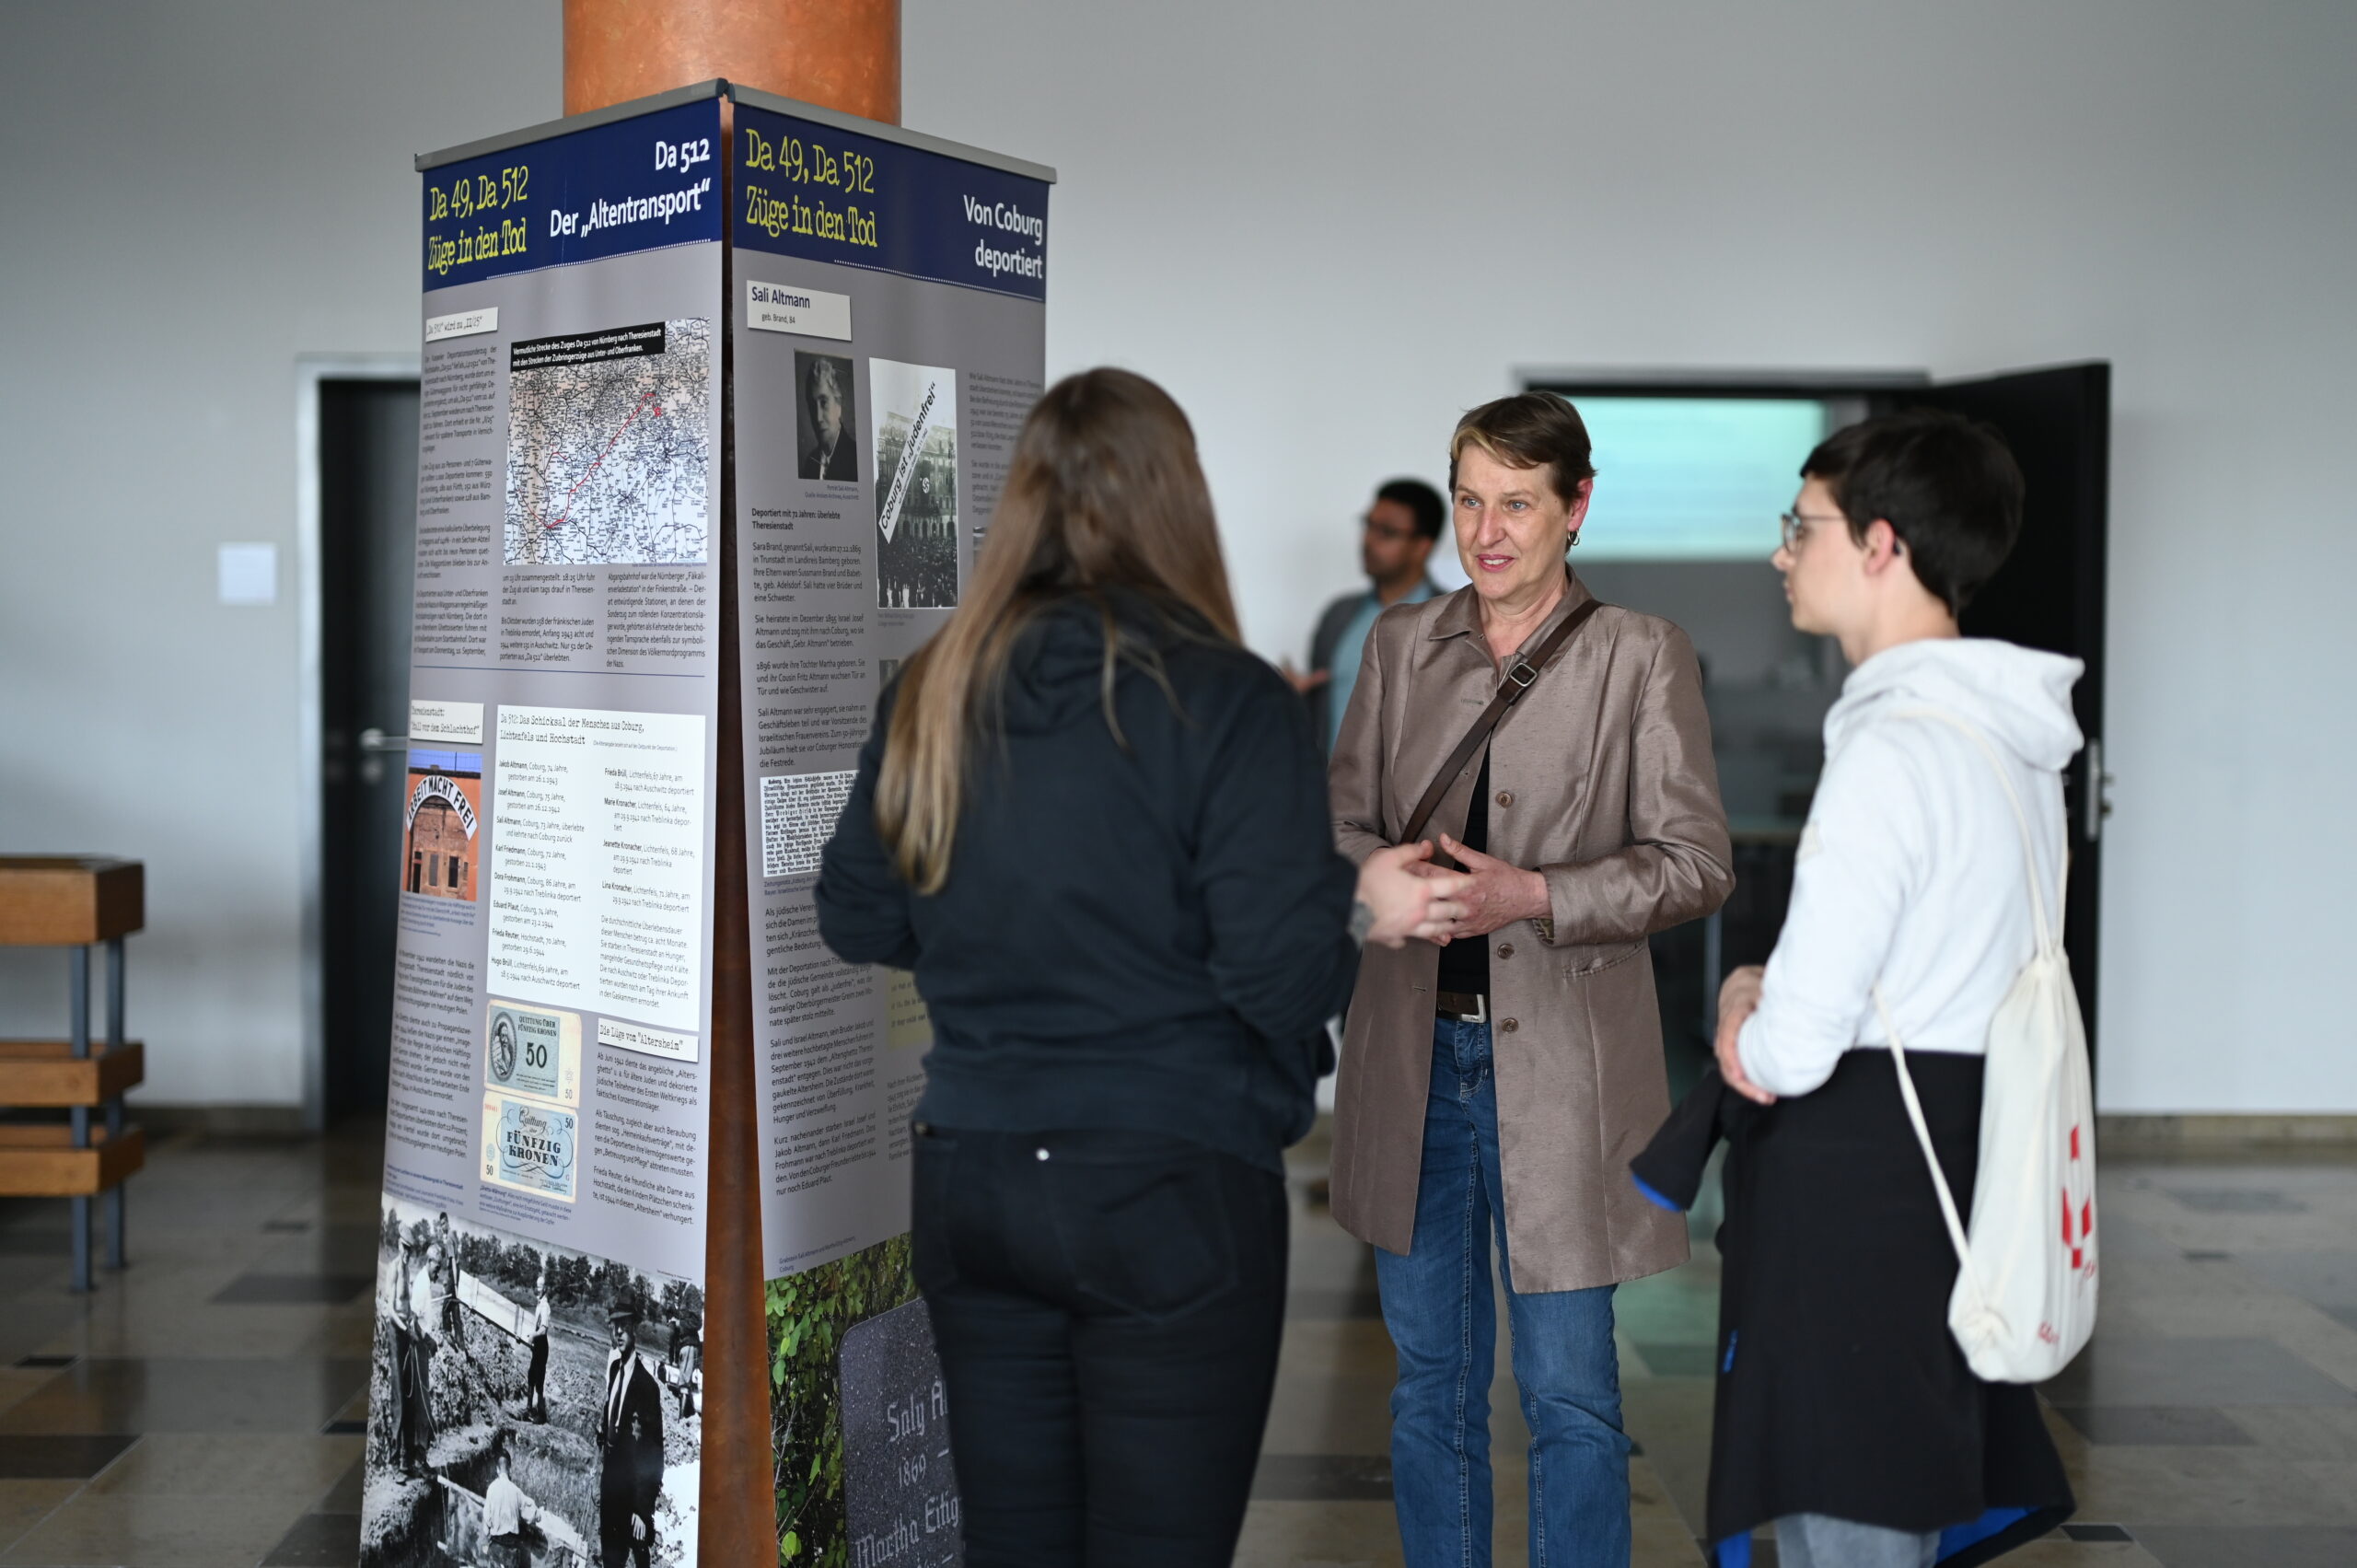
(193,196)
(1328,227)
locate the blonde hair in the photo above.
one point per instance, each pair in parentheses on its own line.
(1105,491)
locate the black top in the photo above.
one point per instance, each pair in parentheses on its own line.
(1147,935)
(1465,963)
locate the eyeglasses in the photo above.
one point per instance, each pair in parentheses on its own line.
(1797,530)
(1391,531)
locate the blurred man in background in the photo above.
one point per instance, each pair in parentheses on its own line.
(1399,528)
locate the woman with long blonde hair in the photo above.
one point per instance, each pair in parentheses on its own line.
(1096,828)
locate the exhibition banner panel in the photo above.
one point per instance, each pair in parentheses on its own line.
(888,327)
(539,1301)
(822,192)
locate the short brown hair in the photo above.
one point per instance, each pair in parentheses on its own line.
(1525,431)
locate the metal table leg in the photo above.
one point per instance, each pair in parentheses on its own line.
(117,1210)
(78,986)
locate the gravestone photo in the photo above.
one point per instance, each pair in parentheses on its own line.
(898,1489)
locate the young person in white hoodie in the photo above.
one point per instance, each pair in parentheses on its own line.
(1845,1411)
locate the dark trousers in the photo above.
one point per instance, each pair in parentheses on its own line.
(617,1544)
(536,1398)
(412,1387)
(1107,1307)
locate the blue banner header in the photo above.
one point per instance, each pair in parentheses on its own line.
(824,194)
(637,184)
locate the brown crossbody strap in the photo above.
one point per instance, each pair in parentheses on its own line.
(1518,678)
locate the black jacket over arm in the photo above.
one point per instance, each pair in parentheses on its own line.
(1840,1389)
(1147,935)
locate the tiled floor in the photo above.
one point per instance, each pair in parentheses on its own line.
(200,1408)
(203,1408)
(2212,1424)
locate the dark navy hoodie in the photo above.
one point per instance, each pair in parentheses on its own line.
(1147,935)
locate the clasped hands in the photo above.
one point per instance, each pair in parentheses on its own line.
(1413,897)
(1492,894)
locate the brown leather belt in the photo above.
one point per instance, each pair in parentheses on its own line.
(1464,1007)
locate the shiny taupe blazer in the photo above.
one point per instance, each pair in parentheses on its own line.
(1601,777)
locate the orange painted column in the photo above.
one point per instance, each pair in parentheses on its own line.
(840,54)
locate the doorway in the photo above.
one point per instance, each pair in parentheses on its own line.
(362,566)
(1695,471)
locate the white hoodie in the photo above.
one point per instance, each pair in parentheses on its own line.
(1909,872)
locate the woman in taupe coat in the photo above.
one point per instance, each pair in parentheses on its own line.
(1502,1082)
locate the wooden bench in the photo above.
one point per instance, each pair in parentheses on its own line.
(43,1162)
(76,902)
(46,1072)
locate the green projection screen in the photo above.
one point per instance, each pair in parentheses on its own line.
(1693,479)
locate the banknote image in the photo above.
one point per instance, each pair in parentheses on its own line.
(533,1051)
(528,1146)
(549,1396)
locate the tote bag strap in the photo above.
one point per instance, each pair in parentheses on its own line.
(1923,1136)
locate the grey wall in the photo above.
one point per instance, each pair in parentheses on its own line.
(196,193)
(1328,227)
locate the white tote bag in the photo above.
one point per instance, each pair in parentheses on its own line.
(2025,1299)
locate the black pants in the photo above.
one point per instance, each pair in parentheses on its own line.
(536,1399)
(617,1546)
(1107,1307)
(413,1384)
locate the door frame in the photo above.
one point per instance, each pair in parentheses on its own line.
(310,370)
(1604,382)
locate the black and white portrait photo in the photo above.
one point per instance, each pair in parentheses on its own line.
(822,418)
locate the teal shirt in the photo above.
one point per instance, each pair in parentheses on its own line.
(1350,649)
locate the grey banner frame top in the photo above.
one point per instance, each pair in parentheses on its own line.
(720,87)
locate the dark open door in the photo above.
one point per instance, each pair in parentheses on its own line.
(2050,593)
(368,532)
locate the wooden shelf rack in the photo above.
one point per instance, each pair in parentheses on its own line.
(78,902)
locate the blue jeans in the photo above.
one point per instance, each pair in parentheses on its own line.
(1442,1320)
